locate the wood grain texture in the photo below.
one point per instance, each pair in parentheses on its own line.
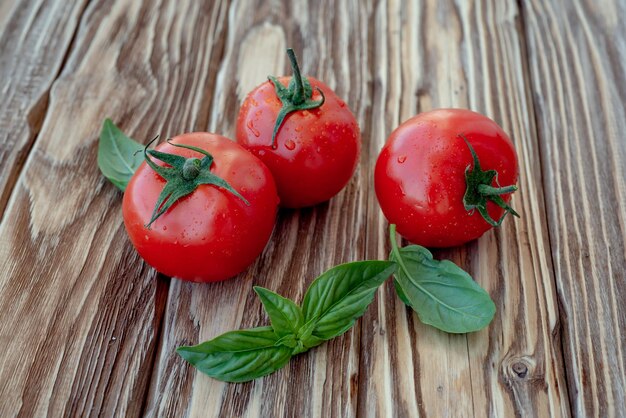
(577,53)
(80,311)
(304,244)
(464,54)
(34,40)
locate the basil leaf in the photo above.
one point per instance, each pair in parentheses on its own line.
(443,295)
(118,155)
(238,356)
(285,316)
(331,305)
(339,296)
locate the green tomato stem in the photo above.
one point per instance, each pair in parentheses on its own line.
(298,96)
(182,177)
(487,190)
(479,189)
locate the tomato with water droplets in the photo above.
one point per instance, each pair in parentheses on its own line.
(304,133)
(210,234)
(445,177)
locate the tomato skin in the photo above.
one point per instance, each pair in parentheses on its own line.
(420,175)
(317,150)
(209,235)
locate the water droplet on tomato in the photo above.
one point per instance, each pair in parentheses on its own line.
(146,237)
(261,153)
(252,129)
(298,128)
(290,145)
(402,159)
(341,103)
(164,228)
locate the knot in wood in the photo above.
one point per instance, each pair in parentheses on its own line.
(520,369)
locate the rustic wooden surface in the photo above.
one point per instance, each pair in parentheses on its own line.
(87,329)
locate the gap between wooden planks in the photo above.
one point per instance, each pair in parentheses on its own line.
(166,68)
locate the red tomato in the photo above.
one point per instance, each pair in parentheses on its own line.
(420,175)
(210,234)
(315,151)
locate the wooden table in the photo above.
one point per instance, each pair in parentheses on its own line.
(86,328)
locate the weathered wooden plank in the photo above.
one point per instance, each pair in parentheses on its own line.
(331,41)
(577,54)
(34,38)
(80,311)
(433,54)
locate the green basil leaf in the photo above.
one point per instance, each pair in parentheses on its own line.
(118,155)
(443,295)
(339,296)
(285,316)
(331,305)
(238,356)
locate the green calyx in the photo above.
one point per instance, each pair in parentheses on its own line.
(182,176)
(479,190)
(296,96)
